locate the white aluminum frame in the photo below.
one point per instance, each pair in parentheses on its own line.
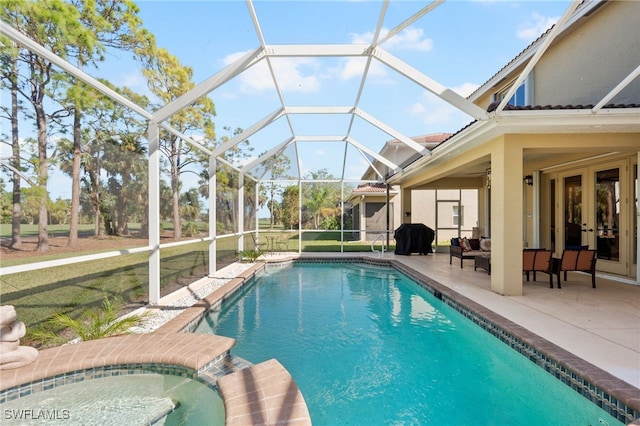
(485,122)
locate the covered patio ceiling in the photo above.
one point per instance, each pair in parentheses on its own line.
(293,126)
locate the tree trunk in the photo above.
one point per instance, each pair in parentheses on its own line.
(43,176)
(144,222)
(121,215)
(16,238)
(75,180)
(95,203)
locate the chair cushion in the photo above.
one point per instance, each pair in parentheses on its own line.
(485,244)
(455,242)
(528,258)
(465,244)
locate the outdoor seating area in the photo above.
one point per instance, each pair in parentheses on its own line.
(533,259)
(576,261)
(470,248)
(537,260)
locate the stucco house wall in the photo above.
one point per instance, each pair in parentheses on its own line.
(586,64)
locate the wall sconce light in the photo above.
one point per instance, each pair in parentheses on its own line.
(528,179)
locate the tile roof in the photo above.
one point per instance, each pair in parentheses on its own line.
(492,107)
(426,139)
(376,188)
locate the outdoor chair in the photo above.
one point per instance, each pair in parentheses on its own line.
(576,260)
(257,245)
(282,243)
(537,260)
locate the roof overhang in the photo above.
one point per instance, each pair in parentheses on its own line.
(576,121)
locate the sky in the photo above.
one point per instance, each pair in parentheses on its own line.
(459,44)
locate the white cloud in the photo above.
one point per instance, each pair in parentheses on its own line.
(465,89)
(411,38)
(293,74)
(133,80)
(532,29)
(440,115)
(302,74)
(354,67)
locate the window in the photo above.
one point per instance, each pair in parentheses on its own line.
(518,98)
(458,215)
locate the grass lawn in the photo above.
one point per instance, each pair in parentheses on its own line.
(71,289)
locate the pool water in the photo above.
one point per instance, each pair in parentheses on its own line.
(137,399)
(366,345)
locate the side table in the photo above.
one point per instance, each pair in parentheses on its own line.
(483,262)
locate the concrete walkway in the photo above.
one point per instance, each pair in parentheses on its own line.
(601,325)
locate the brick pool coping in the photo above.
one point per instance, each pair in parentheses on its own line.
(264,394)
(195,352)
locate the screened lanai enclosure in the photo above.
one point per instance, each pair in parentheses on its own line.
(134,193)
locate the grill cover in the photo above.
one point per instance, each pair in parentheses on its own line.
(413,238)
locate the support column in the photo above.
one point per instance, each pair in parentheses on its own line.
(299,216)
(240,212)
(342,216)
(213,245)
(362,219)
(257,213)
(506,218)
(154,213)
(388,218)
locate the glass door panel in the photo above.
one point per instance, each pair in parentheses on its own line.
(635,216)
(573,211)
(607,213)
(552,217)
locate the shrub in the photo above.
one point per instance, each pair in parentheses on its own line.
(249,256)
(92,324)
(190,229)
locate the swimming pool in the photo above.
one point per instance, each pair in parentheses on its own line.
(366,344)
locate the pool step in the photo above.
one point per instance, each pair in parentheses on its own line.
(263,394)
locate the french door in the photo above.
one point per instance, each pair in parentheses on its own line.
(597,214)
